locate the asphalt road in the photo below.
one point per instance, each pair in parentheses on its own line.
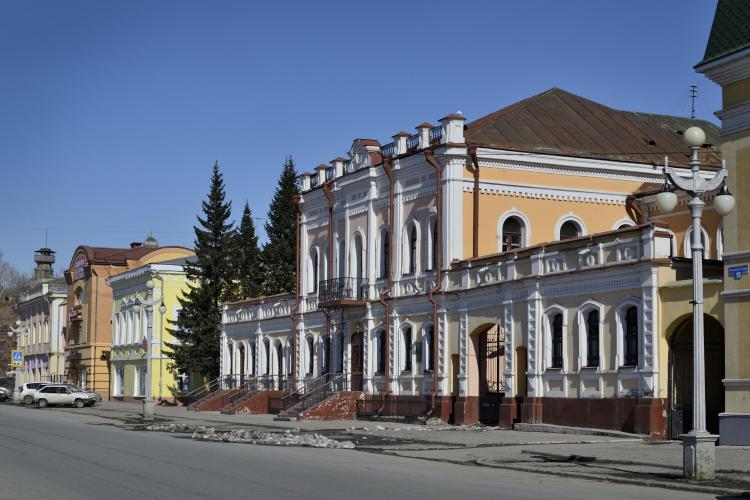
(48,453)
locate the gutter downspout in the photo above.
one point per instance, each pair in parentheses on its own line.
(475,200)
(88,335)
(438,275)
(295,307)
(329,268)
(388,167)
(631,207)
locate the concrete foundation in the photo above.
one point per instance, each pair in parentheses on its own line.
(699,456)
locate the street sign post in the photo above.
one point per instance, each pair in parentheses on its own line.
(17,359)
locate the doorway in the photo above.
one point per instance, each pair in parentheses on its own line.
(358,361)
(681,375)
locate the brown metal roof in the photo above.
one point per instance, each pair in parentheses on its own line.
(117,256)
(558,122)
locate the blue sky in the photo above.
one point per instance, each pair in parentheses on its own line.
(112,113)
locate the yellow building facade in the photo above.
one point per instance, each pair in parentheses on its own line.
(131,325)
(727,62)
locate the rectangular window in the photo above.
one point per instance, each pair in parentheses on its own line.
(140,381)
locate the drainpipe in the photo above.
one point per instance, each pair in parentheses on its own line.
(89,336)
(631,207)
(388,167)
(329,270)
(438,274)
(475,199)
(295,307)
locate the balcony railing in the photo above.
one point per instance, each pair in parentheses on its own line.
(388,150)
(412,142)
(436,133)
(342,291)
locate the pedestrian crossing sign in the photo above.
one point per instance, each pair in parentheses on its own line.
(17,360)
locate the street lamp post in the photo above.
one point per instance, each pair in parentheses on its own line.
(148,403)
(698,454)
(19,331)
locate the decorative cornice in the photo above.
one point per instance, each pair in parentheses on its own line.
(545,192)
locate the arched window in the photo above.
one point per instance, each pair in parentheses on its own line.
(630,342)
(313,287)
(358,258)
(557,341)
(569,229)
(230,355)
(342,259)
(433,257)
(385,253)
(380,351)
(267,349)
(428,350)
(512,234)
(252,359)
(720,242)
(340,342)
(592,338)
(310,356)
(413,249)
(406,365)
(241,352)
(279,360)
(325,355)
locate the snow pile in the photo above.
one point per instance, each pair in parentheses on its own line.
(164,428)
(252,436)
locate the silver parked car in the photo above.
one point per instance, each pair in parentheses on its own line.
(62,394)
(27,390)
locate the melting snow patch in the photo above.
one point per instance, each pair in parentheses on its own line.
(313,440)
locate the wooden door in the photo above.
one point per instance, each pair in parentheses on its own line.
(357,362)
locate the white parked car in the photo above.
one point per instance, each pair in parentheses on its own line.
(63,394)
(27,390)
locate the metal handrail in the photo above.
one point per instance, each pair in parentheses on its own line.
(198,393)
(223,382)
(332,384)
(344,288)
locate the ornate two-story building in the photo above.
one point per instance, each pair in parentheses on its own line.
(512,268)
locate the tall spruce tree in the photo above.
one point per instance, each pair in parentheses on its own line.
(209,276)
(248,270)
(280,250)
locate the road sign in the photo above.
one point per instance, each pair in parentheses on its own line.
(17,360)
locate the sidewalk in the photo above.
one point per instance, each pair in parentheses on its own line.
(603,458)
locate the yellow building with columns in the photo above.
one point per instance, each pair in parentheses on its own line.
(727,62)
(130,327)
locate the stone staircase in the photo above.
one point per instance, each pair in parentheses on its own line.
(311,394)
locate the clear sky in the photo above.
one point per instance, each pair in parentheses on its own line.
(112,113)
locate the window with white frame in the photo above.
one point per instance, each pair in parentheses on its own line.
(431,245)
(120,380)
(407,351)
(312,287)
(512,234)
(384,253)
(429,353)
(279,359)
(340,346)
(341,259)
(412,250)
(140,380)
(267,352)
(379,338)
(630,332)
(589,339)
(358,258)
(325,354)
(569,229)
(310,355)
(555,326)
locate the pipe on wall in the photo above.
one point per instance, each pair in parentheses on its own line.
(295,307)
(388,167)
(438,274)
(475,200)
